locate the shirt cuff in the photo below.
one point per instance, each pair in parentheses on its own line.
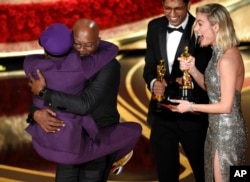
(152,83)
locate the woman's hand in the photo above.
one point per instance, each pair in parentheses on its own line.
(182,107)
(187,63)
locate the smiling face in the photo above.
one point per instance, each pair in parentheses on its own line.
(205,31)
(175,11)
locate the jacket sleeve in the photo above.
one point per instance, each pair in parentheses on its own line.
(30,118)
(91,96)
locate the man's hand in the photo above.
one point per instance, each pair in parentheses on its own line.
(159,87)
(37,85)
(179,80)
(47,120)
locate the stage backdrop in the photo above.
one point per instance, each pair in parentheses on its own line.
(24,20)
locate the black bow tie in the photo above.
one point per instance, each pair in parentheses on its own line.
(170,29)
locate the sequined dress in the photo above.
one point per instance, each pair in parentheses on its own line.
(226,132)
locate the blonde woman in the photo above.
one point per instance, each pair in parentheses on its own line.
(223,79)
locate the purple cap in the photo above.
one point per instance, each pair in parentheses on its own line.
(57,39)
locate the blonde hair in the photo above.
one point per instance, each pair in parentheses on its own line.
(218,14)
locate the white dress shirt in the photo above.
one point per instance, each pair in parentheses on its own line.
(173,40)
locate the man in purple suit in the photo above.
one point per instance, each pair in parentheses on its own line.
(94,144)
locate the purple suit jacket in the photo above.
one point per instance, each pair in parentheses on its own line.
(68,75)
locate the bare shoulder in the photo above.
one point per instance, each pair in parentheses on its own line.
(231,56)
(231,63)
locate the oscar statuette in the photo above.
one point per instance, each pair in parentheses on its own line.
(185,91)
(161,71)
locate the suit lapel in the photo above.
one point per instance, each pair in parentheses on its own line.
(162,43)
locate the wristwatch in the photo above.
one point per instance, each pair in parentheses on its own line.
(42,93)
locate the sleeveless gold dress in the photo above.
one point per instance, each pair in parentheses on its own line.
(226,132)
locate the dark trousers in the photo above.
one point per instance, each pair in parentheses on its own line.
(166,135)
(93,171)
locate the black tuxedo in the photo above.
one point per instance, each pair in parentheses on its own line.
(169,128)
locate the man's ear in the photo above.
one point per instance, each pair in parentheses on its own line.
(98,41)
(189,6)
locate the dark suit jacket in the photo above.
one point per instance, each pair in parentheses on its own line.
(156,50)
(98,99)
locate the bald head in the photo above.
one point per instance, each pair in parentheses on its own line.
(86,33)
(86,27)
